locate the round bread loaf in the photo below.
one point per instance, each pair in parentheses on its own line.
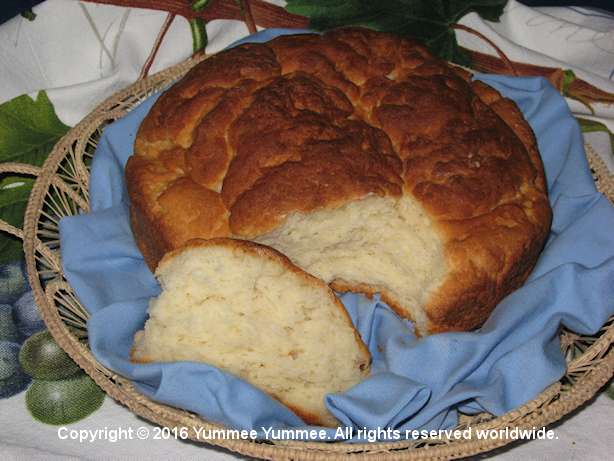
(368,162)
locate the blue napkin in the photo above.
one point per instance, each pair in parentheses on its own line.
(415,384)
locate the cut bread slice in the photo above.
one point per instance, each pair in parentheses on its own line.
(245,308)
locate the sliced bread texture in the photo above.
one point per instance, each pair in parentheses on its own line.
(246,309)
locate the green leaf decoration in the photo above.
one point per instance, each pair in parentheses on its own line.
(14,193)
(29,128)
(29,14)
(426,20)
(199,34)
(568,78)
(42,358)
(64,401)
(591,126)
(199,5)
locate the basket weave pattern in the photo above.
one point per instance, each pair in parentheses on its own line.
(62,190)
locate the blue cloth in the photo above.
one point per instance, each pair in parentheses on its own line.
(415,384)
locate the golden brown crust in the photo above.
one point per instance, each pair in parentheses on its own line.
(370,291)
(308,122)
(487,194)
(310,417)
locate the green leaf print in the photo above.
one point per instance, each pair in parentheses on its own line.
(429,21)
(29,128)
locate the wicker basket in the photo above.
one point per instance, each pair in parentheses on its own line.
(62,189)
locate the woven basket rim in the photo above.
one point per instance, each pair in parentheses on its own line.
(551,405)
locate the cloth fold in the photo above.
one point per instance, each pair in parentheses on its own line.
(415,383)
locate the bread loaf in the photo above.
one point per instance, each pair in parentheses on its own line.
(247,309)
(368,162)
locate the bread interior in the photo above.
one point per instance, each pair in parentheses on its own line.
(375,244)
(247,313)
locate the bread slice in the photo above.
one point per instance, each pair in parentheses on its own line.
(245,308)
